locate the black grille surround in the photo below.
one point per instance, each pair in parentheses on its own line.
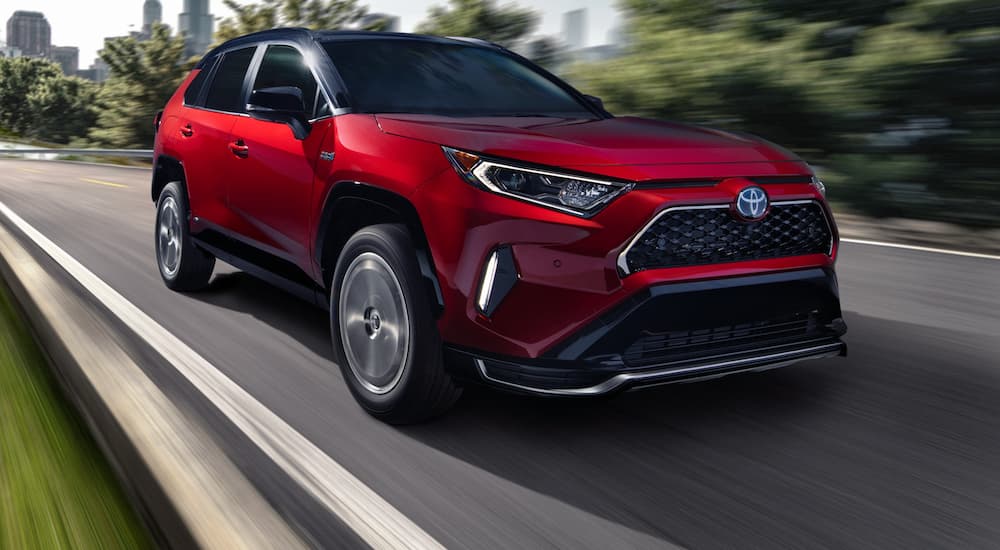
(703,235)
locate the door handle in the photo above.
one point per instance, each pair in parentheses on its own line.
(187,131)
(239,148)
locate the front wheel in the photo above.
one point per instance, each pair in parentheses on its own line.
(384,334)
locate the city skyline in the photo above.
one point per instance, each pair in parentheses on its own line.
(119,17)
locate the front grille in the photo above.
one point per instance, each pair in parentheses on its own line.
(684,345)
(699,236)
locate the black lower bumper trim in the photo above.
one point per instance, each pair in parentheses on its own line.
(674,321)
(680,331)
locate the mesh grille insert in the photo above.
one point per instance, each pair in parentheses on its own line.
(686,237)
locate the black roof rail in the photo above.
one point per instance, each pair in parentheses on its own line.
(294,33)
(303,34)
(478,41)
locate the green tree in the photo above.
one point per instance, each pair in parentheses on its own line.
(929,81)
(37,101)
(544,51)
(63,109)
(483,19)
(896,100)
(269,14)
(676,69)
(143,77)
(18,77)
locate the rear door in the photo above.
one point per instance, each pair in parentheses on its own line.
(203,136)
(272,180)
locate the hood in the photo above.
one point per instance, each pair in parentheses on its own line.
(610,142)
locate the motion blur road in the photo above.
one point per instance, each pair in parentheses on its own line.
(896,446)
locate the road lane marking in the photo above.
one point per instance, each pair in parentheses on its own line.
(923,249)
(102,182)
(371,517)
(30,170)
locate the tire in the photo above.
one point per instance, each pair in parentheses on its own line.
(385,337)
(183,266)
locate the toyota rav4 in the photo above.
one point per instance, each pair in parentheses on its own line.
(467,217)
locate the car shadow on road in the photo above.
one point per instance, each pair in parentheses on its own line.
(893,446)
(300,320)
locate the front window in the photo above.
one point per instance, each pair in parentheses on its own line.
(285,66)
(424,77)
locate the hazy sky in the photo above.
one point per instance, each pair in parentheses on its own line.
(84,23)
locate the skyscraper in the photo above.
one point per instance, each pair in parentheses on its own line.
(196,24)
(29,32)
(575,29)
(68,57)
(152,12)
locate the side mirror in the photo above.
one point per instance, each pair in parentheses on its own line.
(595,101)
(282,104)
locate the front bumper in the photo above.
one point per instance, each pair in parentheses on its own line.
(679,332)
(567,272)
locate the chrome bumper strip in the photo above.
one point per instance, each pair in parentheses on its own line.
(682,374)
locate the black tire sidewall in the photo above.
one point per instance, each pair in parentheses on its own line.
(196,265)
(392,243)
(171,191)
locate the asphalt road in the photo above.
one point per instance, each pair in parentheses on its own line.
(896,446)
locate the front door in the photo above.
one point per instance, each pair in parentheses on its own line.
(270,190)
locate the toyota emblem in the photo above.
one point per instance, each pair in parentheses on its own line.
(752,203)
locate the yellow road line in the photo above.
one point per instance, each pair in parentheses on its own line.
(102,182)
(30,170)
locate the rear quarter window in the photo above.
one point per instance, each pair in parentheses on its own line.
(193,92)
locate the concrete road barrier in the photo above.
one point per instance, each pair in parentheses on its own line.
(185,487)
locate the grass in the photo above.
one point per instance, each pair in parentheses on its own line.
(56,490)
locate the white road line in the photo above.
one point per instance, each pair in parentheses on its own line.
(371,517)
(923,249)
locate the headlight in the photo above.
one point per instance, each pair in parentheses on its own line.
(577,195)
(819,185)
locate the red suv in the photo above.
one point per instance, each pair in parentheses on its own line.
(468,217)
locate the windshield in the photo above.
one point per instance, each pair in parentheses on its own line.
(423,77)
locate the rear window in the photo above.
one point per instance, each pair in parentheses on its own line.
(226,91)
(424,77)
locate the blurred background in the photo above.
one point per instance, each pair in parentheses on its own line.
(893,101)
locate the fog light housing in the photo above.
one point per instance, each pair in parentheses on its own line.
(498,278)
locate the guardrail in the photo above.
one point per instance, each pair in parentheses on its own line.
(130,153)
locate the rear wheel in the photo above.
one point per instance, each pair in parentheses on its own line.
(384,335)
(183,266)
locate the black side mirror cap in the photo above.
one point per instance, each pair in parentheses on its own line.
(595,101)
(282,104)
(285,99)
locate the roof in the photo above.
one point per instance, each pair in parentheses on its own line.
(303,37)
